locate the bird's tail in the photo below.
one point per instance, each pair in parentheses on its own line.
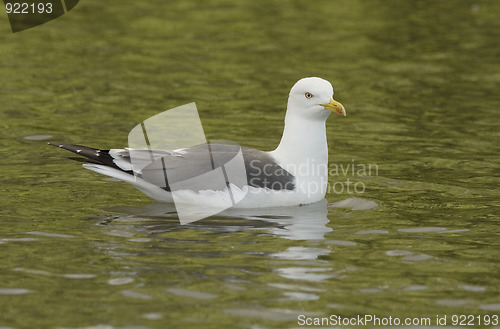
(89,154)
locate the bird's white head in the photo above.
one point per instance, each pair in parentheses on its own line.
(312,98)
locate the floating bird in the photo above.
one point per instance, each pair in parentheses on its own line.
(295,173)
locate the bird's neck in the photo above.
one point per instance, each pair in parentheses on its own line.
(303,142)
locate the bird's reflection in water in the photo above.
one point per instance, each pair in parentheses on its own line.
(308,222)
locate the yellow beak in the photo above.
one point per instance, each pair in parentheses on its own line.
(335,107)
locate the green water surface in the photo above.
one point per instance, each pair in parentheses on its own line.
(420,82)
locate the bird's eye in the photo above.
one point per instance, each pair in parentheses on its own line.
(308,95)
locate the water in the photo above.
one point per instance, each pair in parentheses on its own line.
(419,80)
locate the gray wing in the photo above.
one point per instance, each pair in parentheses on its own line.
(261,169)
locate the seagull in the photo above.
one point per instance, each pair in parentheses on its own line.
(295,173)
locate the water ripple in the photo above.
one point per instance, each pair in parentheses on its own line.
(191,293)
(14,291)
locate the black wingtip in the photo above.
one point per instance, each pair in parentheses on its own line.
(89,154)
(78,149)
(68,147)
